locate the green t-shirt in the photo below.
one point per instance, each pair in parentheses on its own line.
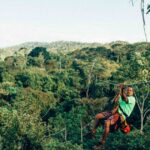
(126,107)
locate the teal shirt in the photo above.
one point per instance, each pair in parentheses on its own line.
(126,107)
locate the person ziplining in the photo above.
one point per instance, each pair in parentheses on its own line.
(124,103)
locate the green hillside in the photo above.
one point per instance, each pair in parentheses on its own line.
(51,92)
(55,47)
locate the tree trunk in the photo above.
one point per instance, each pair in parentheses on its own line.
(65,133)
(142,123)
(81,131)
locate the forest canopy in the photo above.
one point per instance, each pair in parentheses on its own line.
(48,99)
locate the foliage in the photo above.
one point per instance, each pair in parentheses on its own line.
(48,100)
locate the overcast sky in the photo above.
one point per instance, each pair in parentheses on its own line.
(70,20)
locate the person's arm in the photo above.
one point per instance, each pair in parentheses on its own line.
(122,93)
(120,86)
(117,98)
(124,96)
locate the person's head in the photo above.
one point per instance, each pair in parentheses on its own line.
(130,91)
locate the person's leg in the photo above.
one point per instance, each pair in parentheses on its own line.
(98,117)
(110,121)
(106,131)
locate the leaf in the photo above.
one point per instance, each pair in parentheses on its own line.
(148,9)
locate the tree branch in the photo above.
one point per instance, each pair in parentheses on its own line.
(146,113)
(138,102)
(144,99)
(89,79)
(143,18)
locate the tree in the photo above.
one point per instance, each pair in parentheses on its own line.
(142,7)
(36,52)
(2,69)
(143,102)
(148,9)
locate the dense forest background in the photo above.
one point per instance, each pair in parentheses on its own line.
(50,93)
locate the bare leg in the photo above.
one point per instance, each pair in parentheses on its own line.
(106,131)
(110,121)
(105,134)
(97,121)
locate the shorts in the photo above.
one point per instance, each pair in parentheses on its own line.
(113,118)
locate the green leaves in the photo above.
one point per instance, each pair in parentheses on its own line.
(134,140)
(51,109)
(148,9)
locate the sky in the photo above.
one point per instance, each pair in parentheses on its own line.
(100,21)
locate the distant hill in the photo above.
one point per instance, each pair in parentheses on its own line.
(58,46)
(55,47)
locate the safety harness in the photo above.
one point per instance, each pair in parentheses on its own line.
(124,126)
